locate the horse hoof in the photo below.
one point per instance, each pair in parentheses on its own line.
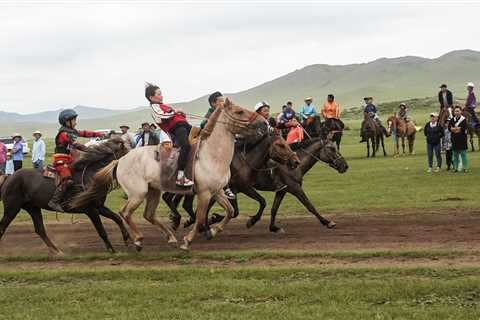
(331,225)
(173,242)
(138,245)
(214,232)
(208,234)
(275,229)
(216,218)
(185,246)
(250,223)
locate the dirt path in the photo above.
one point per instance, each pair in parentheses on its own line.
(410,231)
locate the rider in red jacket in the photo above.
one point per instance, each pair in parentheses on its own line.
(65,141)
(173,122)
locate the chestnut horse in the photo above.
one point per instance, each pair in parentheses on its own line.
(403,129)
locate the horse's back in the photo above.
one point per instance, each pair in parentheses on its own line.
(27,185)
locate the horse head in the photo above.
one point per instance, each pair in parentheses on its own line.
(281,152)
(102,153)
(329,154)
(392,122)
(239,120)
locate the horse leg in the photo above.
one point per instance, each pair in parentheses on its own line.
(107,213)
(173,200)
(300,194)
(403,145)
(227,206)
(36,215)
(471,142)
(188,207)
(252,193)
(368,147)
(273,213)
(374,146)
(383,146)
(153,198)
(201,214)
(127,211)
(9,214)
(97,222)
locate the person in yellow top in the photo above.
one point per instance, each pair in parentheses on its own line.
(331,109)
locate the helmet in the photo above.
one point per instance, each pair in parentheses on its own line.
(65,115)
(260,105)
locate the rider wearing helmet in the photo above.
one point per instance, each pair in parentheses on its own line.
(65,141)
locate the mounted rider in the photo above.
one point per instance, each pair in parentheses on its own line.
(308,113)
(402,112)
(65,142)
(331,112)
(173,122)
(471,104)
(216,100)
(371,110)
(285,118)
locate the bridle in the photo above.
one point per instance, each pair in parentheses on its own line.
(334,163)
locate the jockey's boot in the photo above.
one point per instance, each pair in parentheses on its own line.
(228,193)
(55,201)
(183,181)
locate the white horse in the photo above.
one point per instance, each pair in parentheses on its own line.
(140,174)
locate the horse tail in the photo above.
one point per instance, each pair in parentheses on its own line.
(101,185)
(3,178)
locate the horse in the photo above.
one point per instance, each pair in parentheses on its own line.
(472,130)
(403,129)
(373,132)
(250,157)
(28,189)
(322,129)
(310,152)
(140,175)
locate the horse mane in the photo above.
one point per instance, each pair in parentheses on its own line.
(98,152)
(305,143)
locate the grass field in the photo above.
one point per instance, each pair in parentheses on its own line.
(40,288)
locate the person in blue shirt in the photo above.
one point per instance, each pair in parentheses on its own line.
(307,114)
(17,151)
(371,110)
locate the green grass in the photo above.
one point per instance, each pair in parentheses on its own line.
(246,293)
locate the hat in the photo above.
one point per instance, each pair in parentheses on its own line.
(402,104)
(260,105)
(433,114)
(308,99)
(367,98)
(470,84)
(443,85)
(37,132)
(16,135)
(124,126)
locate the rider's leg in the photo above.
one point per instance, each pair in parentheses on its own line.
(181,136)
(65,177)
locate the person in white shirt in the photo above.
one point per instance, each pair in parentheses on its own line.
(9,167)
(38,151)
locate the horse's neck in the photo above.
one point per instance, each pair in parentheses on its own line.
(257,156)
(220,145)
(307,161)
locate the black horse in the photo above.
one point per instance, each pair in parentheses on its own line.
(333,128)
(28,189)
(310,152)
(250,159)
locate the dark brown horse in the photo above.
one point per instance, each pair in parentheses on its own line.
(250,158)
(310,152)
(28,189)
(331,127)
(472,130)
(373,133)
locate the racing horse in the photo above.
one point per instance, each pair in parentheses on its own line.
(251,156)
(28,189)
(140,175)
(402,129)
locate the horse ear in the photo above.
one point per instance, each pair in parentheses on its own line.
(228,103)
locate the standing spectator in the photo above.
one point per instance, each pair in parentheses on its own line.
(447,144)
(458,128)
(9,167)
(434,133)
(445,98)
(3,157)
(147,138)
(128,137)
(38,150)
(17,151)
(471,103)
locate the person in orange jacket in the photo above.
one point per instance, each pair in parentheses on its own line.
(295,135)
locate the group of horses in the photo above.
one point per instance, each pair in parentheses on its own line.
(247,166)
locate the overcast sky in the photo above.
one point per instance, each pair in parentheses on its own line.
(56,55)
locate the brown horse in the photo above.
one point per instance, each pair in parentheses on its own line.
(402,129)
(472,130)
(28,189)
(373,133)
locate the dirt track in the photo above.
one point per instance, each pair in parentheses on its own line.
(408,231)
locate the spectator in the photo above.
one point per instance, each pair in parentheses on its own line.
(445,98)
(434,133)
(17,151)
(458,128)
(3,157)
(447,144)
(38,151)
(147,138)
(9,166)
(128,137)
(471,103)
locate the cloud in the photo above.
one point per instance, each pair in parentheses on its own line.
(63,55)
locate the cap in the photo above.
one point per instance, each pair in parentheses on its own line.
(433,114)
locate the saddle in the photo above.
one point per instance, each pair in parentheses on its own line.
(168,161)
(49,172)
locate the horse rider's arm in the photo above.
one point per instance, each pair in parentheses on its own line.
(89,134)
